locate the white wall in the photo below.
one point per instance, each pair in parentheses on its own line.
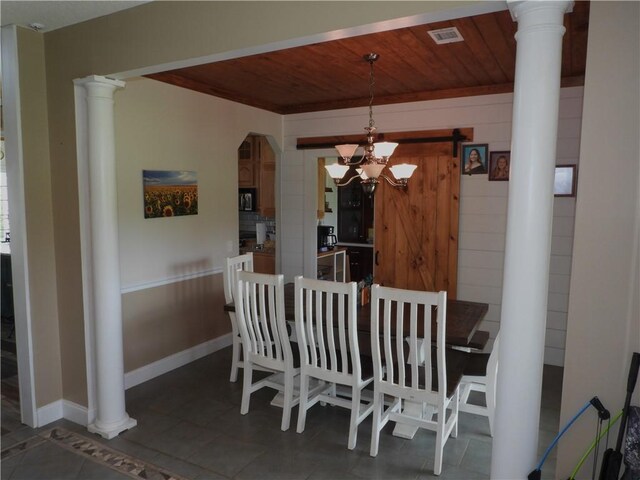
(604,315)
(483,204)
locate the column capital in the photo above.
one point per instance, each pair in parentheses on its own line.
(518,8)
(99,80)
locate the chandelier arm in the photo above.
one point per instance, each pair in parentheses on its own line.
(399,184)
(351,163)
(337,181)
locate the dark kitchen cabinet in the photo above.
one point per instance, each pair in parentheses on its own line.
(360,262)
(355,214)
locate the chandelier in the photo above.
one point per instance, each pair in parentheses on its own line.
(375,157)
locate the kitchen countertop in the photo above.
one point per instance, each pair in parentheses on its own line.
(345,244)
(333,251)
(269,247)
(264,251)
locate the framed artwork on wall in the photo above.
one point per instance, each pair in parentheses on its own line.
(564,184)
(499,165)
(169,193)
(474,158)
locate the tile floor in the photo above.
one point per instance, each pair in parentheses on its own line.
(189,423)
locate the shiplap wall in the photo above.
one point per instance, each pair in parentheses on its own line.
(483,207)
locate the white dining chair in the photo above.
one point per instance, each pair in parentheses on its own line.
(326,327)
(259,302)
(414,371)
(480,375)
(233,264)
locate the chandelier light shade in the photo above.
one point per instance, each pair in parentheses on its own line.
(375,157)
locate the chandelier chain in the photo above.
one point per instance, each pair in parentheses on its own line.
(372,84)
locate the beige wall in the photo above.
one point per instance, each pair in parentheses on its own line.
(604,320)
(162,127)
(154,33)
(39,224)
(161,321)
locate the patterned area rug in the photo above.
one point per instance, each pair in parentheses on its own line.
(96,451)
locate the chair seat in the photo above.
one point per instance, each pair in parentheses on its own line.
(474,364)
(455,370)
(366,365)
(479,340)
(480,371)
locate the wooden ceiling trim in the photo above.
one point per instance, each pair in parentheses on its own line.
(479,48)
(424,74)
(446,54)
(494,36)
(442,135)
(350,81)
(402,98)
(386,68)
(578,35)
(566,49)
(333,75)
(296,77)
(184,82)
(509,29)
(437,73)
(450,74)
(460,55)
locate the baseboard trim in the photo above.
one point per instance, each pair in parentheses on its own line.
(49,413)
(62,409)
(75,413)
(177,360)
(80,415)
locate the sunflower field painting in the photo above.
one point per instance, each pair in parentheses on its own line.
(170,193)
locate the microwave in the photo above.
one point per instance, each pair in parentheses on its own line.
(247,199)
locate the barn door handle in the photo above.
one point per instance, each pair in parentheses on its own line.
(376,260)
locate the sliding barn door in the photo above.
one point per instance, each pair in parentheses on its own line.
(416,230)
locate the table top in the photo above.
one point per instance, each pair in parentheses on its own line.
(463,318)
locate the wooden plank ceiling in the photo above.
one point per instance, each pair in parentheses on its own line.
(333,75)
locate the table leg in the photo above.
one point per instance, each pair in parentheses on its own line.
(413,409)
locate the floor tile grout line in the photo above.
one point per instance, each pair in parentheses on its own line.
(114,459)
(29,443)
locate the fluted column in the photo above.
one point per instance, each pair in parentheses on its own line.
(111,417)
(528,239)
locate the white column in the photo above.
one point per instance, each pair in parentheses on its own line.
(528,239)
(111,417)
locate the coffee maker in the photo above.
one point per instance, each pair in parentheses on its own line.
(326,238)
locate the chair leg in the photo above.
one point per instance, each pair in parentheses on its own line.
(235,358)
(378,405)
(455,410)
(302,406)
(288,402)
(437,465)
(466,389)
(490,397)
(246,388)
(355,413)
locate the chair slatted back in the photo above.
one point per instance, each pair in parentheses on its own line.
(230,274)
(326,326)
(259,300)
(401,321)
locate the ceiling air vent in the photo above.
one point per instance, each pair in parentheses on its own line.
(446,35)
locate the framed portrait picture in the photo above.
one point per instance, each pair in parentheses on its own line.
(499,165)
(564,184)
(474,158)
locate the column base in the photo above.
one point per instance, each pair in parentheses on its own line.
(110,431)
